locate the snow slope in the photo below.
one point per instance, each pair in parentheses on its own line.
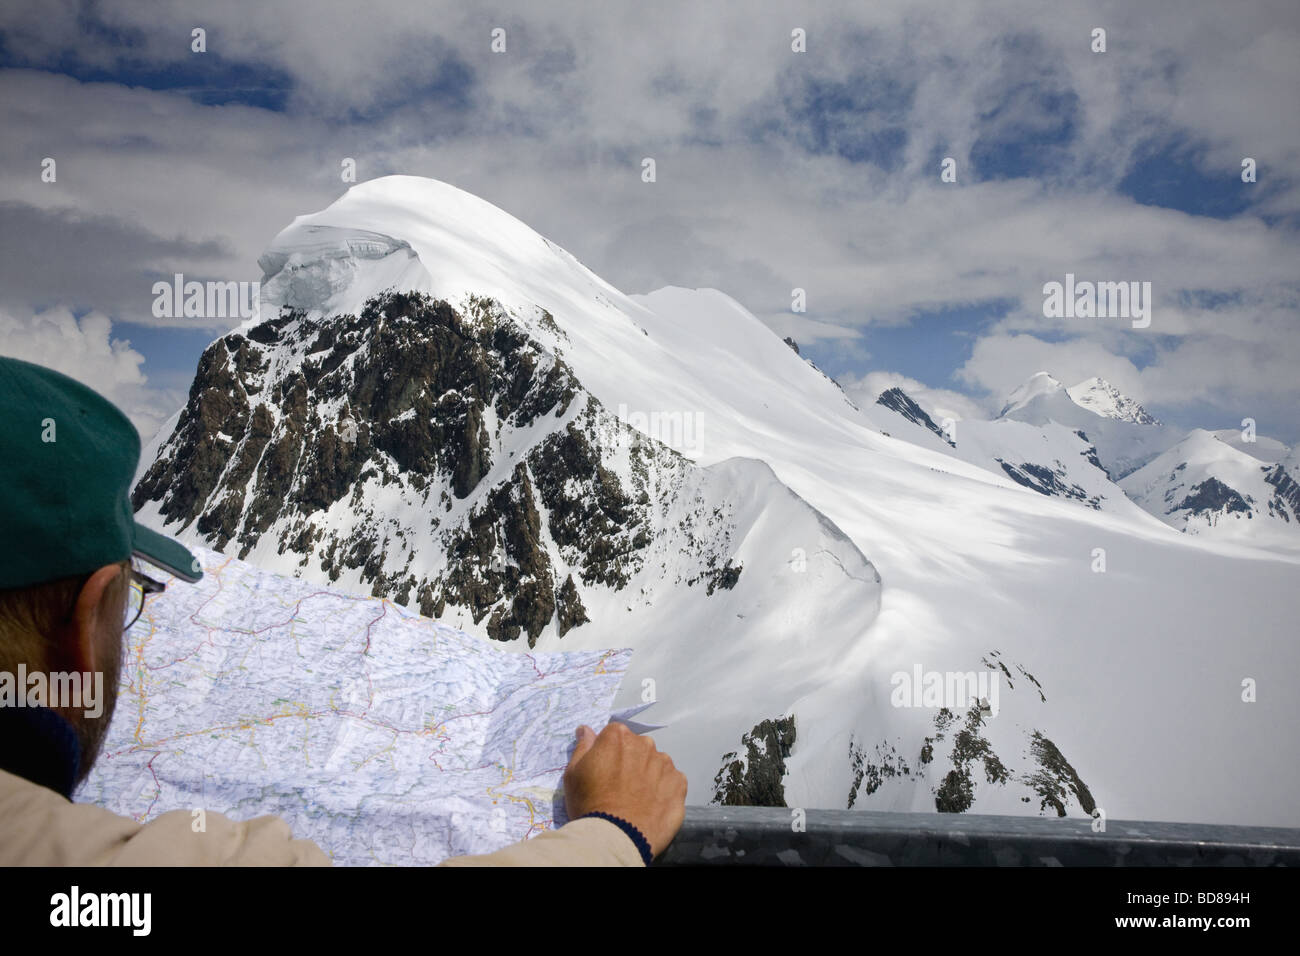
(1136,659)
(1264,448)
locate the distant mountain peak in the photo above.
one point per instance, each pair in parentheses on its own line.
(1099,396)
(1048,396)
(1037,385)
(1203,482)
(899,401)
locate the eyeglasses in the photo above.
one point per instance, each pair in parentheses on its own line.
(141,587)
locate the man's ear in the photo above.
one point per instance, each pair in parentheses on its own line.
(88,619)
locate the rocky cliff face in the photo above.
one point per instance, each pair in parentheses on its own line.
(442,458)
(753,776)
(898,400)
(1050,481)
(958,761)
(1285,501)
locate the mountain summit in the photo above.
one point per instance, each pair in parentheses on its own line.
(1037,386)
(396,431)
(1042,395)
(1104,399)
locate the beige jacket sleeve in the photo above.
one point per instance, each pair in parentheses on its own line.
(588,842)
(39,828)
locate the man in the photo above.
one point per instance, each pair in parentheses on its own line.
(68,591)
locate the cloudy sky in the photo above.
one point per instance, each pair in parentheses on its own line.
(776,170)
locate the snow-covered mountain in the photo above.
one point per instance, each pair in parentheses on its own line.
(450,461)
(1125,436)
(1042,395)
(1099,396)
(1040,385)
(1049,459)
(448,409)
(1204,484)
(1042,455)
(1203,481)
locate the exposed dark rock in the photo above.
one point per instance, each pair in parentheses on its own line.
(990,664)
(1212,497)
(1033,680)
(971,757)
(217,403)
(602,522)
(1090,452)
(519,594)
(756,779)
(724,577)
(548,322)
(1011,684)
(868,775)
(957,791)
(1285,503)
(268,332)
(899,401)
(1055,777)
(1046,481)
(303,416)
(568,607)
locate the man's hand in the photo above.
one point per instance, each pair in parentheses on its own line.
(623,774)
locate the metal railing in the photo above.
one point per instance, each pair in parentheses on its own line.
(766,836)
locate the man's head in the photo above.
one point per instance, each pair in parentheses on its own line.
(68,461)
(71,626)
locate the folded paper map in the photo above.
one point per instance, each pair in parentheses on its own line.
(383,736)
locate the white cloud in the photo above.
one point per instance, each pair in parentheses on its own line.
(1232,363)
(1001,363)
(938,403)
(83,350)
(554,130)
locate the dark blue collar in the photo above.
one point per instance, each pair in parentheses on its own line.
(39,745)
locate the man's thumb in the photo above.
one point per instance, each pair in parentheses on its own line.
(586,737)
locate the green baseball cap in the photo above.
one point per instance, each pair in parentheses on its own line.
(69,458)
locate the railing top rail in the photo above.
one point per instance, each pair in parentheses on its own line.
(751,836)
